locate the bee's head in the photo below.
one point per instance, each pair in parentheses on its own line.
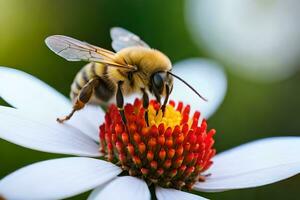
(161,84)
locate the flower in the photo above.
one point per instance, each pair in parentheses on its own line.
(258,40)
(33,125)
(172,151)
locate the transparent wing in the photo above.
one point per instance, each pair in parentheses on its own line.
(75,50)
(123,38)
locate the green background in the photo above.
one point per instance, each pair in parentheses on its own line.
(250,110)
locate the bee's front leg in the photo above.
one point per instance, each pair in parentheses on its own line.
(120,101)
(163,107)
(82,98)
(145,104)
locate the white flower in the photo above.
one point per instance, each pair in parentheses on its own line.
(33,125)
(257,39)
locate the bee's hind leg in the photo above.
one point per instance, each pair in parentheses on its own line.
(78,105)
(82,98)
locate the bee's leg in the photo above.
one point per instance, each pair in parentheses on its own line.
(163,107)
(145,104)
(120,101)
(158,98)
(82,98)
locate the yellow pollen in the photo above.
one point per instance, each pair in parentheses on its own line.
(171,118)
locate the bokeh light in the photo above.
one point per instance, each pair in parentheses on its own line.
(257,39)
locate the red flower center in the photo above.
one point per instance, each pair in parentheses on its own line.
(173,151)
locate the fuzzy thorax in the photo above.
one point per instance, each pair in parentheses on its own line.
(147,61)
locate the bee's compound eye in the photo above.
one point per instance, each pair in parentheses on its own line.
(158,82)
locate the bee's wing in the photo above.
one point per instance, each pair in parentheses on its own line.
(122,38)
(75,50)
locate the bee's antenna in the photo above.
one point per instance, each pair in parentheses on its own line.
(199,95)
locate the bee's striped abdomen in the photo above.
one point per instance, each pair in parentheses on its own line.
(103,92)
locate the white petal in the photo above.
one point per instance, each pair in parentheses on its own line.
(207,77)
(254,164)
(57,179)
(24,91)
(122,188)
(87,120)
(95,115)
(17,127)
(28,93)
(166,194)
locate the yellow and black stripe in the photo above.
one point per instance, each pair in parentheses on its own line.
(106,88)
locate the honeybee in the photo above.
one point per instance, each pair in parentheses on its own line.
(134,68)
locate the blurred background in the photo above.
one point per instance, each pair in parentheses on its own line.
(257,42)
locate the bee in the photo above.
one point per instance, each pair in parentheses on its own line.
(134,68)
